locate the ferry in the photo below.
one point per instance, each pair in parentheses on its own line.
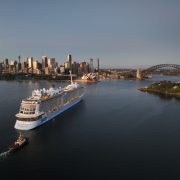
(46,104)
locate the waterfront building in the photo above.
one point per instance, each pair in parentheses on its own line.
(30,62)
(58,70)
(35,64)
(39,66)
(44,62)
(70,59)
(36,71)
(83,68)
(51,63)
(74,67)
(12,66)
(25,66)
(98,64)
(19,67)
(46,71)
(6,65)
(36,67)
(6,62)
(67,65)
(62,69)
(1,68)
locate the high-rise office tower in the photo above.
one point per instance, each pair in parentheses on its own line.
(91,67)
(44,62)
(67,65)
(70,59)
(30,62)
(6,62)
(51,63)
(19,58)
(19,66)
(35,64)
(98,64)
(1,67)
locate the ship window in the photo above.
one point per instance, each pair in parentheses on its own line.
(29,119)
(28,112)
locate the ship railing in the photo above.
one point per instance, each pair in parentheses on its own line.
(72,99)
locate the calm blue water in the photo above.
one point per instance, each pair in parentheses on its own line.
(117,132)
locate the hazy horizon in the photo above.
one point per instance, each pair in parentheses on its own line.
(122,33)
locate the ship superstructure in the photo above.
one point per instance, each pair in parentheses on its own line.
(45,104)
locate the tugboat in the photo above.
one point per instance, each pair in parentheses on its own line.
(18,144)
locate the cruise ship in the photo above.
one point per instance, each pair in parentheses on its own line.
(46,104)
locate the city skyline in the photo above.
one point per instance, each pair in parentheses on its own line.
(120,33)
(47,66)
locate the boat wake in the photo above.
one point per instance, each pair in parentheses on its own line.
(18,144)
(4,154)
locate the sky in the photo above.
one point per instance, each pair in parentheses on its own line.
(121,33)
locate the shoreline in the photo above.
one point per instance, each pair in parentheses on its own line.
(177,95)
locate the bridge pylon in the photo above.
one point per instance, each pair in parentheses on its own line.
(139,75)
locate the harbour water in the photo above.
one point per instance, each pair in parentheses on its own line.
(117,132)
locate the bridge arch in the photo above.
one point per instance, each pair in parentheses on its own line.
(159,66)
(141,74)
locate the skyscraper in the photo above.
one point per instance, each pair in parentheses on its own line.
(44,62)
(98,64)
(35,64)
(19,64)
(70,59)
(51,63)
(1,67)
(30,62)
(91,67)
(6,62)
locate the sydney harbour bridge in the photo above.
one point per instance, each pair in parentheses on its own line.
(140,74)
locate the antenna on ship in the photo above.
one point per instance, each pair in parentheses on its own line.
(71,77)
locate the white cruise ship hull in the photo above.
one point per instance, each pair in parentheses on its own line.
(27,125)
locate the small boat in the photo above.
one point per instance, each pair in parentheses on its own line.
(18,144)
